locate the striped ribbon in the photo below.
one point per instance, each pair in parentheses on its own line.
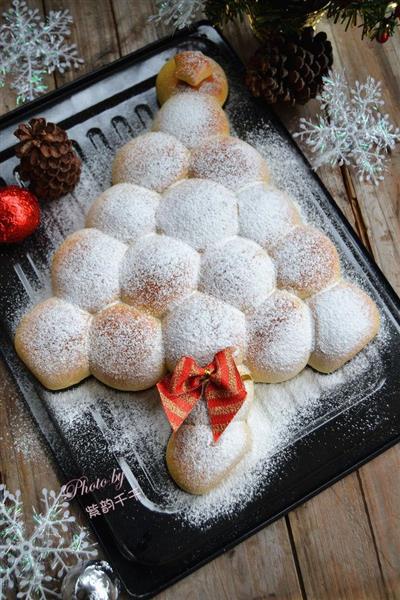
(220,383)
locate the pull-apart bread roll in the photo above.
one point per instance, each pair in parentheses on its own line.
(153,160)
(345,319)
(53,341)
(306,261)
(192,118)
(229,161)
(280,338)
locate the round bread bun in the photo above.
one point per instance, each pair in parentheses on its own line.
(199,212)
(126,348)
(229,161)
(125,211)
(266,214)
(191,71)
(191,118)
(52,340)
(85,269)
(197,464)
(280,338)
(201,326)
(346,319)
(237,271)
(157,271)
(306,261)
(154,160)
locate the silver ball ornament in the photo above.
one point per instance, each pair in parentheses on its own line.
(91,580)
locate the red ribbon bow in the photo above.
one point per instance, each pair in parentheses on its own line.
(220,382)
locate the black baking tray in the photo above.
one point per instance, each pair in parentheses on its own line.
(149,549)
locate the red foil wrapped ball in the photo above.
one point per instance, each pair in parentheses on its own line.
(19,214)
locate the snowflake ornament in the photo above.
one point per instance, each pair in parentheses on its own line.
(179,13)
(26,559)
(30,48)
(353,130)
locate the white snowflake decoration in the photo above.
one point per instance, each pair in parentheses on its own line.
(178,13)
(30,48)
(27,559)
(353,130)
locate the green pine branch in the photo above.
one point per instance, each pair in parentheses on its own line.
(372,16)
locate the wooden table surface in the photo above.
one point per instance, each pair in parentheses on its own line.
(343,544)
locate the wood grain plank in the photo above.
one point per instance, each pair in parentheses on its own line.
(379,210)
(8,97)
(256,569)
(335,546)
(93,32)
(133,27)
(380,481)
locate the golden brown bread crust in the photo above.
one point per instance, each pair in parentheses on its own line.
(125,348)
(52,340)
(306,261)
(280,338)
(346,319)
(154,160)
(208,78)
(191,118)
(200,469)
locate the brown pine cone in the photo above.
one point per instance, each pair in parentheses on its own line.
(289,68)
(48,160)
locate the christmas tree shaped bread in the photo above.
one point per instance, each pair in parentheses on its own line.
(190,252)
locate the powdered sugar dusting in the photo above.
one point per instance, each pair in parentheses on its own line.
(306,261)
(86,269)
(199,212)
(345,317)
(154,160)
(125,348)
(239,272)
(229,161)
(53,338)
(201,326)
(124,211)
(191,118)
(198,462)
(266,214)
(282,413)
(157,271)
(280,338)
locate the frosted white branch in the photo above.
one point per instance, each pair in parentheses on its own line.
(352,130)
(179,13)
(33,560)
(31,47)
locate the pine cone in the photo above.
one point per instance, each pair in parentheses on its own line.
(289,68)
(48,160)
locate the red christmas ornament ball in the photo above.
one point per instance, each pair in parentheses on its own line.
(382,37)
(19,214)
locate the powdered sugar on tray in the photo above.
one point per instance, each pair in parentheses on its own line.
(281,415)
(135,425)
